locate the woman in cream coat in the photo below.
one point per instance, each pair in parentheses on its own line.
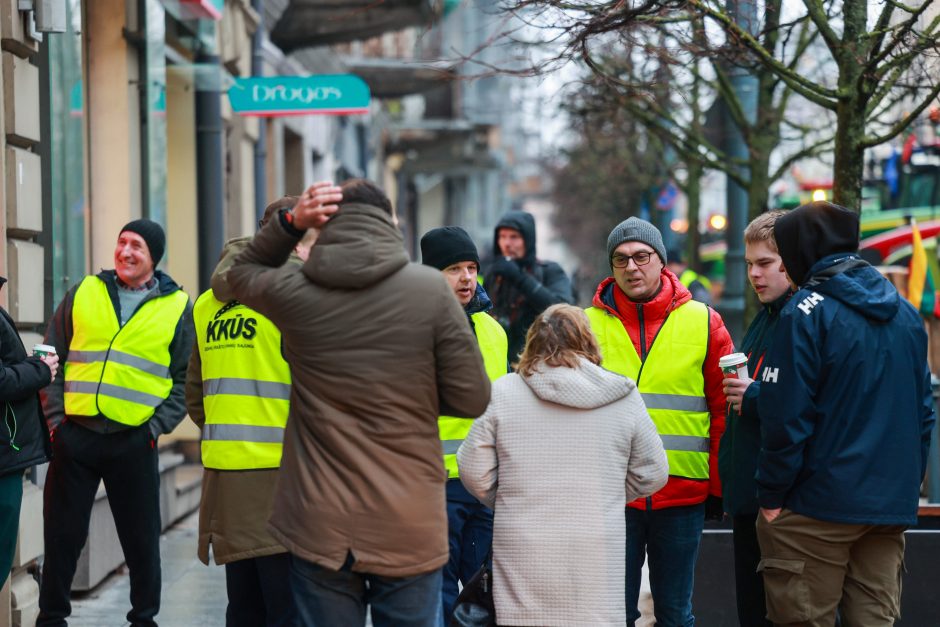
(562,447)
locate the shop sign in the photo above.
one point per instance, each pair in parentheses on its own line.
(336,94)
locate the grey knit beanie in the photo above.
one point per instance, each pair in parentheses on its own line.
(636,230)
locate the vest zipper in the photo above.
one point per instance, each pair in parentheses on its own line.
(642,325)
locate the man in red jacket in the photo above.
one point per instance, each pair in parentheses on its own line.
(650,329)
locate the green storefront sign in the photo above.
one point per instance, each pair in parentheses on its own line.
(331,94)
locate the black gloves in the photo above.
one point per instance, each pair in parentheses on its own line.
(713,508)
(507,268)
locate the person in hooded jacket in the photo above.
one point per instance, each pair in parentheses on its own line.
(740,444)
(846,416)
(378,348)
(520,285)
(25,440)
(562,446)
(649,329)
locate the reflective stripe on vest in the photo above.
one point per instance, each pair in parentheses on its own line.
(671,382)
(495,350)
(122,373)
(245,385)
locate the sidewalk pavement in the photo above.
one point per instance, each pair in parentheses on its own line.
(193,593)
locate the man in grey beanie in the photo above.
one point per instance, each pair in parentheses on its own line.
(650,330)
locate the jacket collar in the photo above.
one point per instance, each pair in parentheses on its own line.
(671,295)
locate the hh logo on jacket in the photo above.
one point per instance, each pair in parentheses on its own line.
(770,374)
(808,303)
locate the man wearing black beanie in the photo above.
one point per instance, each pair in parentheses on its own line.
(124,338)
(469,522)
(846,416)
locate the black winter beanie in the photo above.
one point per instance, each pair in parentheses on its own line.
(811,232)
(446,246)
(152,233)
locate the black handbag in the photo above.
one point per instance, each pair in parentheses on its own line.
(474,606)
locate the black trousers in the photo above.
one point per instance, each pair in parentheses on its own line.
(259,593)
(127,463)
(748,583)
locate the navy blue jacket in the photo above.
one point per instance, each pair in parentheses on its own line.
(845,401)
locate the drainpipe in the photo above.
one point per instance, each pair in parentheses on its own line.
(209,163)
(261,145)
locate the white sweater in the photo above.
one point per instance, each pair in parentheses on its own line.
(557,456)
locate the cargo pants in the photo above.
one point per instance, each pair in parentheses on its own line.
(812,568)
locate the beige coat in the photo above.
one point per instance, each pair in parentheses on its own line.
(378,348)
(235,504)
(557,456)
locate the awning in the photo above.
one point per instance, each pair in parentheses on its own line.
(394,78)
(307,23)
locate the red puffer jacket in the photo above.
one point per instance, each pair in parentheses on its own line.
(643,320)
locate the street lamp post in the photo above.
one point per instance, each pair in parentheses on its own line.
(744,12)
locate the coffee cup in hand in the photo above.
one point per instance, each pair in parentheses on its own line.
(734,365)
(43,350)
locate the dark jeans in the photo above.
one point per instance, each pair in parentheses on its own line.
(470,534)
(328,598)
(748,583)
(670,537)
(259,593)
(127,463)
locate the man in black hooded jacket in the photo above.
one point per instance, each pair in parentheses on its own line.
(520,285)
(846,415)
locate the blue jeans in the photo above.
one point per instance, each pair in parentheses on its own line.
(325,597)
(470,534)
(670,537)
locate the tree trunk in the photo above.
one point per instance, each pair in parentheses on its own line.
(850,109)
(849,165)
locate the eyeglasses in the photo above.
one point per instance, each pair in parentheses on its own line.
(640,259)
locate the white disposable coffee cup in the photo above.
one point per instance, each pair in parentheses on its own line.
(42,350)
(734,365)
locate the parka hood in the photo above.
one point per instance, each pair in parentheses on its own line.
(357,248)
(232,248)
(586,387)
(479,303)
(523,222)
(860,287)
(809,233)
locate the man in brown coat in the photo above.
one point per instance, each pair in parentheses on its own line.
(378,349)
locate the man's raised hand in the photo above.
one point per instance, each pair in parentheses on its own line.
(317,205)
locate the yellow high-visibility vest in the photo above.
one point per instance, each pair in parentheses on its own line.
(670,381)
(495,348)
(122,373)
(690,276)
(245,383)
